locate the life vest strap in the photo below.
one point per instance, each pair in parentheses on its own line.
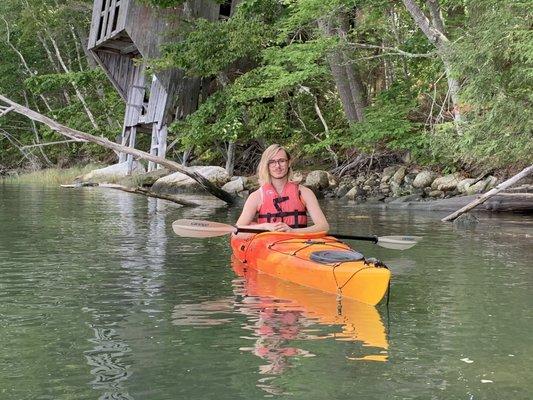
(282,214)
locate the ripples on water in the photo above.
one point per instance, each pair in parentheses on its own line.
(98,299)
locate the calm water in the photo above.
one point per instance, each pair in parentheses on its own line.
(99,300)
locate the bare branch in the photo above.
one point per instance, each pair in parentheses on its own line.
(75,134)
(52,143)
(394,51)
(5,110)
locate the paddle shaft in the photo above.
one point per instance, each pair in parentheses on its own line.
(373,239)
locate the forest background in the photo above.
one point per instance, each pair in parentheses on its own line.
(440,83)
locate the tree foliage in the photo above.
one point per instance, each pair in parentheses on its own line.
(269,76)
(44,66)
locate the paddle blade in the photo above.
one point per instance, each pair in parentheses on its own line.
(201,229)
(398,242)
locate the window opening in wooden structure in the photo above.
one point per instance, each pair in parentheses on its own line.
(225,9)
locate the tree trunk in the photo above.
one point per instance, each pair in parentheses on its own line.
(345,73)
(53,63)
(23,60)
(75,134)
(230,159)
(36,133)
(78,93)
(149,193)
(436,34)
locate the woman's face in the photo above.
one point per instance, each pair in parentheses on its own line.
(278,165)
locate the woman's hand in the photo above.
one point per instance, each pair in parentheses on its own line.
(277,227)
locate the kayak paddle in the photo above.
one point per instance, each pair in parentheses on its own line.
(205,229)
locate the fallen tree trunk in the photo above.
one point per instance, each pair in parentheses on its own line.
(501,202)
(75,134)
(504,185)
(149,193)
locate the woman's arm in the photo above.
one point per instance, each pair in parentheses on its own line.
(315,212)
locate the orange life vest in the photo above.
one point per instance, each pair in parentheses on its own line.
(287,207)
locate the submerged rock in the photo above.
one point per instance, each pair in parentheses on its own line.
(465,221)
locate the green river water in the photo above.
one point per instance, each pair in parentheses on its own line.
(100,300)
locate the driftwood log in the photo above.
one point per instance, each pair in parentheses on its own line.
(502,186)
(149,193)
(78,135)
(501,202)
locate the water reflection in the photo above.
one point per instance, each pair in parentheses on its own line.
(288,311)
(107,365)
(281,317)
(140,251)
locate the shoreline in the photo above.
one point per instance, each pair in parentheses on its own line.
(396,187)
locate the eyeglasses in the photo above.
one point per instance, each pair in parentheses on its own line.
(281,162)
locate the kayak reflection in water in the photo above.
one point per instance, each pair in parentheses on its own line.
(280,204)
(275,329)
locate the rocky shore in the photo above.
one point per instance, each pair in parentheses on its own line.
(392,184)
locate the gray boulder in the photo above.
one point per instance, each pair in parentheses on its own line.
(436,193)
(234,186)
(317,180)
(446,183)
(388,173)
(399,175)
(491,182)
(114,172)
(181,183)
(342,190)
(355,192)
(251,182)
(464,184)
(297,176)
(424,179)
(482,186)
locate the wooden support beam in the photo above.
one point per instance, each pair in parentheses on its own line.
(75,134)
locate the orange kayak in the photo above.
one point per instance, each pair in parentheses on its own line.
(314,260)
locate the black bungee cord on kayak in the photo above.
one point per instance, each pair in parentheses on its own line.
(335,257)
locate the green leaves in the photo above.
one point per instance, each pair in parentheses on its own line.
(211,47)
(283,69)
(388,125)
(52,82)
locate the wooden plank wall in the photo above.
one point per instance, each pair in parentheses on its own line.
(108,20)
(120,69)
(134,107)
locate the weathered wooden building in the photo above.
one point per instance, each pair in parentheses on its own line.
(126,33)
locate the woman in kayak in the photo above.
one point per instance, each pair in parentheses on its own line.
(280,204)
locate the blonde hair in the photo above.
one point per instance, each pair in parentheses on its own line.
(263,172)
